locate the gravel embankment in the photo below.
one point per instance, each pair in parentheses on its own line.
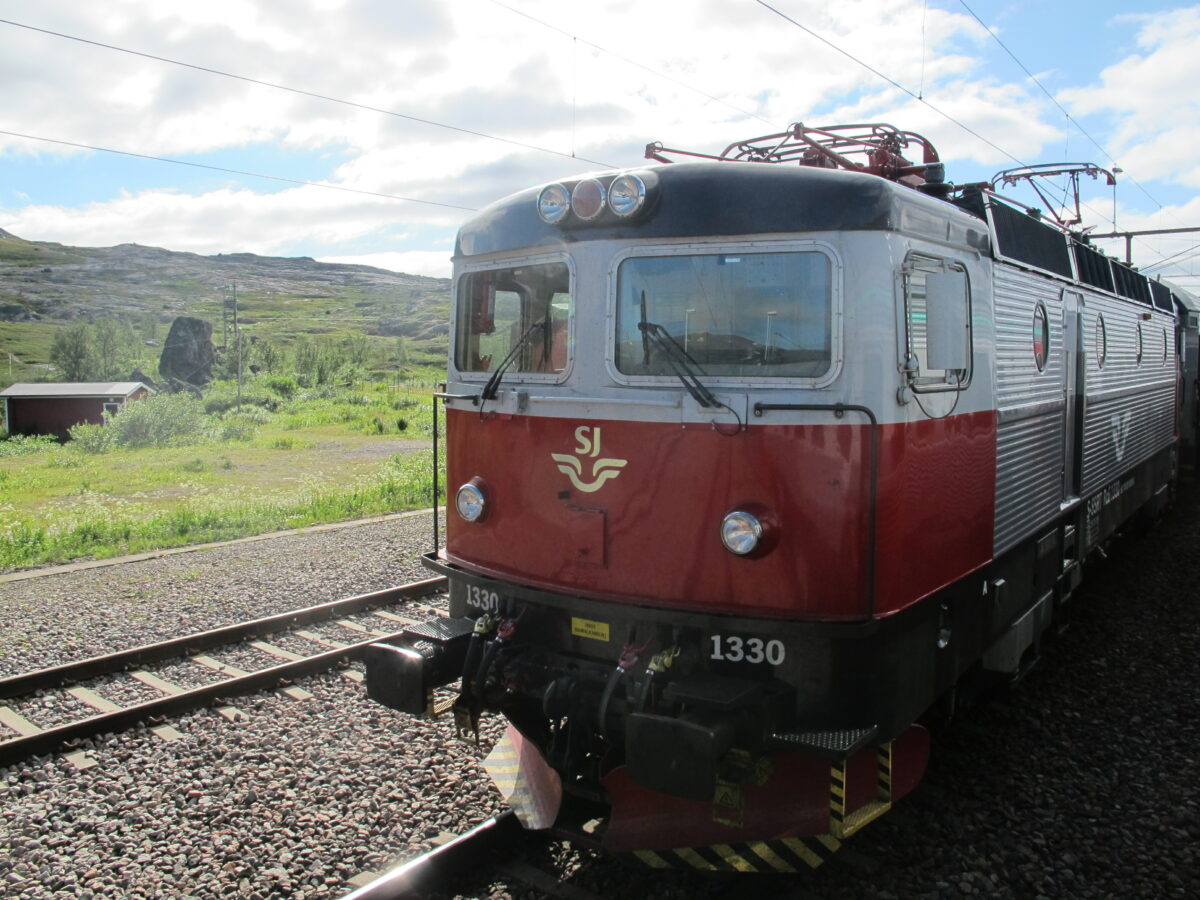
(290,802)
(53,619)
(1081,782)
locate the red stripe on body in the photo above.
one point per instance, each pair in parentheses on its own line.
(649,533)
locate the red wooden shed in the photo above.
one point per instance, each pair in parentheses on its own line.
(54,408)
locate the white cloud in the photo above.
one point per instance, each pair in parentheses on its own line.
(221,221)
(1151,98)
(479,66)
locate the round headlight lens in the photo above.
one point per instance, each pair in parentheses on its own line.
(587,199)
(741,533)
(553,203)
(626,195)
(469,502)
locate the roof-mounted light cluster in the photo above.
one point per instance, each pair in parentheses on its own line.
(595,200)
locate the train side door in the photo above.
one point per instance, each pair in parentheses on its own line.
(1074,376)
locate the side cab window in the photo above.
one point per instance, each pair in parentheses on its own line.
(937,324)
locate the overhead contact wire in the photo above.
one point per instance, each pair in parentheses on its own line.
(195,165)
(1070,119)
(921,99)
(945,115)
(303,93)
(632,62)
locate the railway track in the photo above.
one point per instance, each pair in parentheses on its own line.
(497,848)
(311,652)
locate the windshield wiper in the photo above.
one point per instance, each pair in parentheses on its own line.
(493,383)
(682,365)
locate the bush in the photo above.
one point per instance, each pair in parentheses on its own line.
(282,385)
(222,396)
(24,444)
(238,428)
(253,415)
(157,421)
(91,438)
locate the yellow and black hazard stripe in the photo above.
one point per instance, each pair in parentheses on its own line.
(504,767)
(763,857)
(843,823)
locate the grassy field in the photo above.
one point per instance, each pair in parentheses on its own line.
(318,456)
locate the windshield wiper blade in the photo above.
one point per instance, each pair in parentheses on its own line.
(682,365)
(493,383)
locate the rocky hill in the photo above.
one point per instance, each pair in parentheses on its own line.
(44,284)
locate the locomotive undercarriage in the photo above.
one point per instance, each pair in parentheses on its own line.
(621,698)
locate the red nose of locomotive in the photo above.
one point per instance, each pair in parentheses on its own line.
(612,509)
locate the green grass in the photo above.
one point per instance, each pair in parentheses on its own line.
(320,457)
(28,341)
(16,252)
(100,528)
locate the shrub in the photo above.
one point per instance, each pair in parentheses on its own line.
(156,421)
(238,428)
(25,444)
(253,415)
(91,438)
(282,385)
(222,396)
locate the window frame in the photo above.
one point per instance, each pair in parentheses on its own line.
(930,384)
(742,248)
(513,374)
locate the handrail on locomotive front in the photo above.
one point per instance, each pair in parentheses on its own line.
(839,410)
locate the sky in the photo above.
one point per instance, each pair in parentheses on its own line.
(383,123)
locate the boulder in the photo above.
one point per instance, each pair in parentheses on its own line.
(188,352)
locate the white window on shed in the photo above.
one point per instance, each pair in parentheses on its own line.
(111,408)
(937,323)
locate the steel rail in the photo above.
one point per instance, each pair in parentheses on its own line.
(415,878)
(113,663)
(53,739)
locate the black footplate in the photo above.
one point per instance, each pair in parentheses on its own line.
(838,744)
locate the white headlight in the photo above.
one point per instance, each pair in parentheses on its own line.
(469,502)
(741,533)
(626,195)
(553,203)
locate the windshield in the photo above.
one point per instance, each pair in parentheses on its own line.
(499,307)
(732,314)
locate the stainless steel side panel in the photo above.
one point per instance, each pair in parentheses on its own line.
(1128,401)
(1029,406)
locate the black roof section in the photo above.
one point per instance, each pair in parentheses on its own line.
(1024,238)
(707,199)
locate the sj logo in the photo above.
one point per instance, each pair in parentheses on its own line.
(1120,432)
(588,448)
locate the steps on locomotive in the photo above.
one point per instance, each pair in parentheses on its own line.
(842,824)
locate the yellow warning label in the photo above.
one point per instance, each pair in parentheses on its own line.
(597,631)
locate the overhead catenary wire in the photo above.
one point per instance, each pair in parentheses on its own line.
(1071,120)
(633,62)
(918,97)
(846,53)
(196,165)
(1175,257)
(304,93)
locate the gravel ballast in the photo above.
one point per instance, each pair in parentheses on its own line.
(1079,782)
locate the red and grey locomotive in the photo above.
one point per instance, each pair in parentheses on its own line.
(752,463)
